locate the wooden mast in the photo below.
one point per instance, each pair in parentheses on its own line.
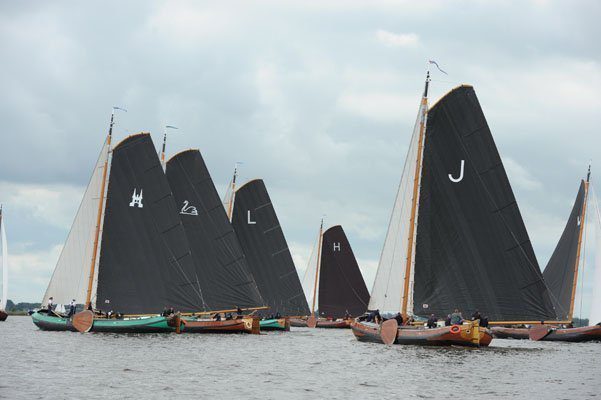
(415,199)
(317,267)
(99,216)
(582,223)
(230,207)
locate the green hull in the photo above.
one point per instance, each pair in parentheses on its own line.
(133,325)
(274,325)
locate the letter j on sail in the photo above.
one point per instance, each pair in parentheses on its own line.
(455,180)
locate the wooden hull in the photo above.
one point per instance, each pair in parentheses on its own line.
(131,325)
(3,315)
(298,322)
(583,334)
(502,332)
(242,325)
(322,323)
(281,324)
(467,335)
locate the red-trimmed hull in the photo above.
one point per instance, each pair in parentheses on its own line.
(369,332)
(502,332)
(583,334)
(242,325)
(3,315)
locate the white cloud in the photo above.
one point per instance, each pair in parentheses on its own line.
(381,107)
(54,204)
(397,39)
(519,175)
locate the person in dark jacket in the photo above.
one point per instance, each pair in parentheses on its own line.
(447,321)
(476,316)
(399,318)
(432,321)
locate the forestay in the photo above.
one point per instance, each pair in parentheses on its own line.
(388,288)
(595,315)
(71,274)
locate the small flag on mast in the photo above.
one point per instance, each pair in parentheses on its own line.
(437,66)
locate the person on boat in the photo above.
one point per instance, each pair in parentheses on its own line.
(238,312)
(229,316)
(347,315)
(109,314)
(484,322)
(447,321)
(50,300)
(410,321)
(72,308)
(432,321)
(476,316)
(165,312)
(456,318)
(399,318)
(89,307)
(278,315)
(217,317)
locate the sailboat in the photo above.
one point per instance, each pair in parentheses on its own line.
(456,239)
(4,298)
(333,282)
(258,229)
(127,253)
(561,275)
(225,281)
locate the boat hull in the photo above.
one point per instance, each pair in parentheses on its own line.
(298,322)
(502,332)
(467,335)
(280,324)
(130,325)
(322,323)
(3,315)
(582,334)
(241,325)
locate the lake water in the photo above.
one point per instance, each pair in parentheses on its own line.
(303,363)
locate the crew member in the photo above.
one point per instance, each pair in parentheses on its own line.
(432,321)
(456,317)
(72,308)
(50,304)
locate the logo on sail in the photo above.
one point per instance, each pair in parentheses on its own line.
(187,209)
(455,180)
(136,199)
(337,246)
(248,220)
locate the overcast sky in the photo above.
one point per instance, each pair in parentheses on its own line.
(316,98)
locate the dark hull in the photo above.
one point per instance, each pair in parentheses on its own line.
(243,325)
(583,334)
(298,322)
(368,332)
(322,323)
(3,316)
(502,332)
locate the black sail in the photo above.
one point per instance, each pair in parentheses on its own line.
(225,280)
(145,260)
(342,289)
(559,272)
(262,239)
(472,248)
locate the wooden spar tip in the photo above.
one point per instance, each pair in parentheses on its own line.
(427,84)
(588,174)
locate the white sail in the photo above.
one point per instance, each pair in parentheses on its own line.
(309,278)
(387,292)
(4,298)
(72,272)
(595,314)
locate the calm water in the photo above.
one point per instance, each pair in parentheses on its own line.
(302,363)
